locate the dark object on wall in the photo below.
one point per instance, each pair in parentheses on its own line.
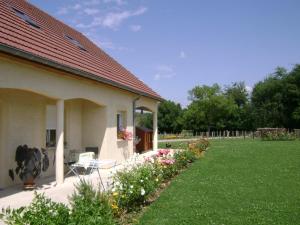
(45,160)
(92,149)
(30,163)
(146,139)
(11,174)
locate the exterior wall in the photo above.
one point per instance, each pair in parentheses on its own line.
(24,116)
(150,104)
(89,121)
(93,125)
(1,143)
(73,124)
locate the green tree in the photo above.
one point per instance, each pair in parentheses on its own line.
(292,98)
(169,117)
(209,109)
(268,100)
(144,119)
(242,119)
(237,91)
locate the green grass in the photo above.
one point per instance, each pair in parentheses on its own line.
(238,182)
(174,145)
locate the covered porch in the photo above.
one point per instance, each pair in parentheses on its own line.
(64,128)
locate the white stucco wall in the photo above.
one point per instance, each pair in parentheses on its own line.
(1,143)
(24,116)
(73,124)
(90,112)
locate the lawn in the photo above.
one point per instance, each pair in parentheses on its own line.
(238,182)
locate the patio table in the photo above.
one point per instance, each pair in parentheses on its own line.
(89,167)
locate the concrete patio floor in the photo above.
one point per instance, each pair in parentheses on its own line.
(15,196)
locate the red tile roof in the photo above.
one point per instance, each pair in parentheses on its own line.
(49,45)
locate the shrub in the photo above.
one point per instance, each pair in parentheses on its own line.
(275,134)
(184,157)
(42,211)
(90,207)
(199,146)
(131,188)
(165,162)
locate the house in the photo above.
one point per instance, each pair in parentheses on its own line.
(59,91)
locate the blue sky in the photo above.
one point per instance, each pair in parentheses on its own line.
(174,45)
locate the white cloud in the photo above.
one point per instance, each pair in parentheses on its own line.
(182,55)
(112,20)
(105,43)
(90,11)
(164,72)
(118,2)
(91,2)
(76,6)
(63,11)
(135,28)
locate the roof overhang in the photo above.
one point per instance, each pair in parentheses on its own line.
(41,60)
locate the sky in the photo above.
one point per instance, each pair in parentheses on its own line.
(174,45)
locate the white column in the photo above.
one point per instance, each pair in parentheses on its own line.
(59,167)
(155,131)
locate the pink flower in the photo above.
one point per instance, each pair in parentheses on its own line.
(167,161)
(126,135)
(163,152)
(149,160)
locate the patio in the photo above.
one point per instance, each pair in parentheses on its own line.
(15,197)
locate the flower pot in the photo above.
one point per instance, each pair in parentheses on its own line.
(29,184)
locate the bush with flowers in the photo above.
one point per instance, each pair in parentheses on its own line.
(165,162)
(132,187)
(183,158)
(199,147)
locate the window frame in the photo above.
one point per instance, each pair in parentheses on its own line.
(121,122)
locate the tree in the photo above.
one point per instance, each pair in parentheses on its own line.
(144,120)
(169,117)
(243,119)
(268,100)
(238,93)
(292,98)
(209,109)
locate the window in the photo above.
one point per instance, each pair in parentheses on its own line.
(121,123)
(26,18)
(50,126)
(50,138)
(75,42)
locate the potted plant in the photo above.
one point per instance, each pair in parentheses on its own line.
(125,135)
(30,163)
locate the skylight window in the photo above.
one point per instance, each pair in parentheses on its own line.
(75,42)
(26,18)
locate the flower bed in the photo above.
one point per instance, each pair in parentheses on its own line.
(130,191)
(275,134)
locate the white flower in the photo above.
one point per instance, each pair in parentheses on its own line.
(117,183)
(131,186)
(143,191)
(113,190)
(142,181)
(130,192)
